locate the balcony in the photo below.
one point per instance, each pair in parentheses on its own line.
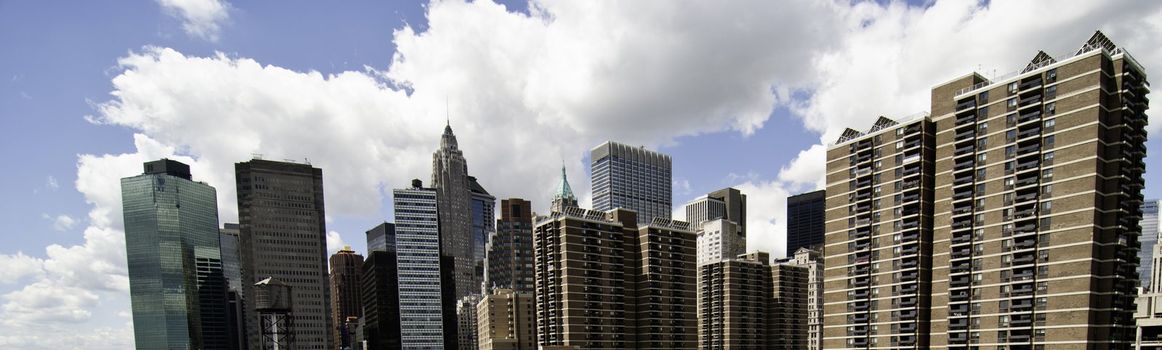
(1029,101)
(965,118)
(965,105)
(961,239)
(1028,149)
(1030,84)
(1028,116)
(1030,164)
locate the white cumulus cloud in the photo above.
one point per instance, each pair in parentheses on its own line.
(200,18)
(334,242)
(61,222)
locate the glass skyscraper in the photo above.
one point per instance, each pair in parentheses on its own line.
(1148,239)
(176,284)
(483,211)
(631,178)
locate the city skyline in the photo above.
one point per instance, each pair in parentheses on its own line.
(528,88)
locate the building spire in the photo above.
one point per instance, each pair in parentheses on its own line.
(563,196)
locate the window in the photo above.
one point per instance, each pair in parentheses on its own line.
(1013,87)
(1049,140)
(1051,75)
(1012,102)
(980,189)
(982,157)
(1049,124)
(1047,207)
(982,143)
(1047,189)
(1047,174)
(1048,157)
(1051,92)
(1010,135)
(983,112)
(984,97)
(981,174)
(1010,151)
(983,127)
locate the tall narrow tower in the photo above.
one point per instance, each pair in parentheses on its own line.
(346,274)
(453,190)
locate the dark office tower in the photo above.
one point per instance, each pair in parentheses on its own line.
(1038,201)
(380,294)
(510,249)
(734,302)
(665,291)
(787,327)
(176,285)
(377,238)
(467,322)
(878,241)
(280,212)
(631,178)
(346,273)
(735,207)
(450,180)
(805,216)
(232,270)
(483,225)
(423,269)
(563,196)
(231,261)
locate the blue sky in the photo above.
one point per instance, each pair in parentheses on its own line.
(739,95)
(56,73)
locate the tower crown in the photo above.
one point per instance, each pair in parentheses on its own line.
(564,191)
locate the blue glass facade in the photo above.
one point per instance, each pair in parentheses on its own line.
(176,284)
